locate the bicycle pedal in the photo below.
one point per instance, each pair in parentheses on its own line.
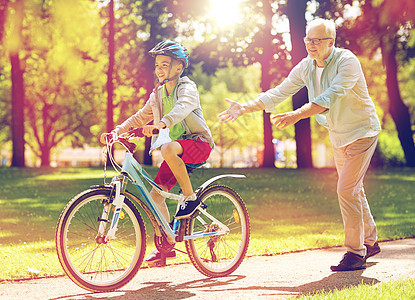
(182,228)
(156,264)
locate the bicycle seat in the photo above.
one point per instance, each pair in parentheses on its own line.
(191,167)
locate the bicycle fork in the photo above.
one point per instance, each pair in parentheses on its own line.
(119,184)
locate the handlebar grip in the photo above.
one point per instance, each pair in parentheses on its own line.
(105,137)
(138,132)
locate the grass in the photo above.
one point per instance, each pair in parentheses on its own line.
(396,290)
(289,210)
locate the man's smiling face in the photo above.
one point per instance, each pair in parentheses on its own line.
(321,51)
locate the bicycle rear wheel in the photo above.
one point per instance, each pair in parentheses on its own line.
(92,263)
(219,255)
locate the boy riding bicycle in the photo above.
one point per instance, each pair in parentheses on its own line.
(173,105)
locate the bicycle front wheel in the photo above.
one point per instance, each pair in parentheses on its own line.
(91,262)
(219,255)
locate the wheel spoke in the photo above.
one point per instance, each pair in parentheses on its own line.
(93,263)
(220,255)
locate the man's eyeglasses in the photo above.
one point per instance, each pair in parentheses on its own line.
(314,41)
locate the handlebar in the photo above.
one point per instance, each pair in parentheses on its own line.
(125,137)
(138,132)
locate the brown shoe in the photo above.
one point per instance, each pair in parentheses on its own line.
(350,262)
(372,250)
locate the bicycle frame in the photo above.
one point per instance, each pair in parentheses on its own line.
(131,170)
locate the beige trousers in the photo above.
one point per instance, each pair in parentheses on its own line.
(352,162)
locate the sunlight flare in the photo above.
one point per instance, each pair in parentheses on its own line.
(226,13)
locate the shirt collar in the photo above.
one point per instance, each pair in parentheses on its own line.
(164,91)
(330,57)
(327,60)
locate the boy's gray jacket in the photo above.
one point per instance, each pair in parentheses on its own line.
(186,110)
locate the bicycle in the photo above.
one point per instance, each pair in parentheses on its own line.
(101,235)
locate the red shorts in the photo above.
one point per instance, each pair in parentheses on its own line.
(194,152)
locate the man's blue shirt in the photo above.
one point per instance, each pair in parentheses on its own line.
(350,113)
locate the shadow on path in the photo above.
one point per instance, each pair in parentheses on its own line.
(168,290)
(165,290)
(338,280)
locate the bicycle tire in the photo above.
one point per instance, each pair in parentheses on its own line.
(94,266)
(219,256)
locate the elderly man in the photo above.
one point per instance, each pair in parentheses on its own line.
(340,101)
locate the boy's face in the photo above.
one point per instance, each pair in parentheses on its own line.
(162,67)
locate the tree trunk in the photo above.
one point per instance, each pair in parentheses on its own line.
(45,156)
(302,131)
(269,153)
(18,159)
(110,71)
(398,110)
(148,66)
(148,85)
(296,14)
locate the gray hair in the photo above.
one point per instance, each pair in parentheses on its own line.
(328,25)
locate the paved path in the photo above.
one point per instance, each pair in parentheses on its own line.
(264,277)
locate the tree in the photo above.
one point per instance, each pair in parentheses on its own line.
(296,11)
(266,83)
(141,24)
(258,40)
(155,20)
(110,74)
(111,58)
(62,75)
(138,27)
(18,91)
(240,84)
(386,25)
(255,40)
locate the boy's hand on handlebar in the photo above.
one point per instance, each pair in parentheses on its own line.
(150,130)
(106,137)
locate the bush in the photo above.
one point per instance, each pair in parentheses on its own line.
(389,151)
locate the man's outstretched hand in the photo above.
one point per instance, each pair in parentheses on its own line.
(232,113)
(285,119)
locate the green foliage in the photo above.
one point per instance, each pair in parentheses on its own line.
(380,29)
(244,132)
(62,76)
(236,79)
(375,76)
(4,103)
(389,151)
(241,79)
(232,83)
(407,83)
(65,59)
